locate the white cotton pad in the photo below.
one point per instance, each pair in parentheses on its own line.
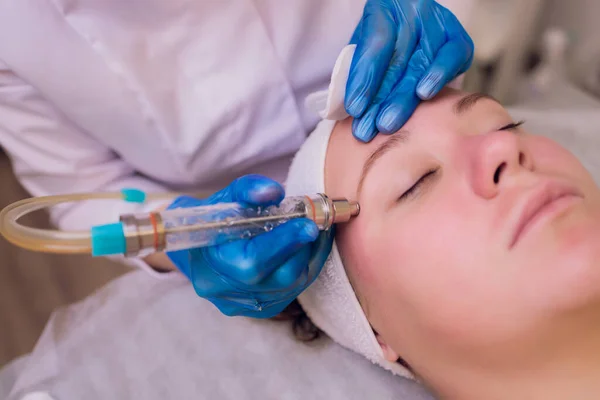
(329,104)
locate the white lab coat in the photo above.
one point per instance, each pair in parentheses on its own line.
(99,95)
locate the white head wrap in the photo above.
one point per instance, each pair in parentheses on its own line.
(330,301)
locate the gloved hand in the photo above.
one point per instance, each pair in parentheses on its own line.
(255,277)
(407,51)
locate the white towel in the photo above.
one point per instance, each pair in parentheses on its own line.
(330,301)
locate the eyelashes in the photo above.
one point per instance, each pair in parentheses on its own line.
(511,126)
(419,185)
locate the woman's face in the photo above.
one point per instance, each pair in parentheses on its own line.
(476,241)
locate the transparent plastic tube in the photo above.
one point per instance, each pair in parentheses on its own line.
(52,240)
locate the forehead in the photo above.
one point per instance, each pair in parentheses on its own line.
(346,155)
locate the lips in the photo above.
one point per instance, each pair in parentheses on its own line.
(545,198)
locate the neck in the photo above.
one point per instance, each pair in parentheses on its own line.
(572,372)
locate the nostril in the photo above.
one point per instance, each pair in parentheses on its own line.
(522,159)
(499,172)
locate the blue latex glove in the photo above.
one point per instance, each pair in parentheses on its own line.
(407,51)
(255,277)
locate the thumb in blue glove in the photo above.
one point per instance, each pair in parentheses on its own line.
(407,51)
(257,277)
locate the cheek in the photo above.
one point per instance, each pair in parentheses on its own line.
(418,263)
(429,268)
(550,157)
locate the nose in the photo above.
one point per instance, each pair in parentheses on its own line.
(497,157)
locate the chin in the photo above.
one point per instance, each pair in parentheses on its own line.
(568,257)
(579,266)
(579,236)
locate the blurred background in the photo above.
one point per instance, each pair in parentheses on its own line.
(536,53)
(522,48)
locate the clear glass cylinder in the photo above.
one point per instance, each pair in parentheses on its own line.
(186,228)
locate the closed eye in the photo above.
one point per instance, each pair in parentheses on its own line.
(419,185)
(511,126)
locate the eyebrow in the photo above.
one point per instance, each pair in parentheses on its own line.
(467,102)
(461,107)
(399,137)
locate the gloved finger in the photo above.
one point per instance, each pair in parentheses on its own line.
(357,33)
(226,307)
(233,307)
(256,190)
(265,310)
(305,266)
(249,189)
(374,49)
(364,128)
(267,305)
(181,259)
(433,31)
(222,291)
(250,261)
(455,31)
(406,42)
(273,309)
(429,43)
(207,282)
(403,100)
(321,249)
(290,275)
(444,69)
(251,307)
(210,283)
(454,58)
(186,202)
